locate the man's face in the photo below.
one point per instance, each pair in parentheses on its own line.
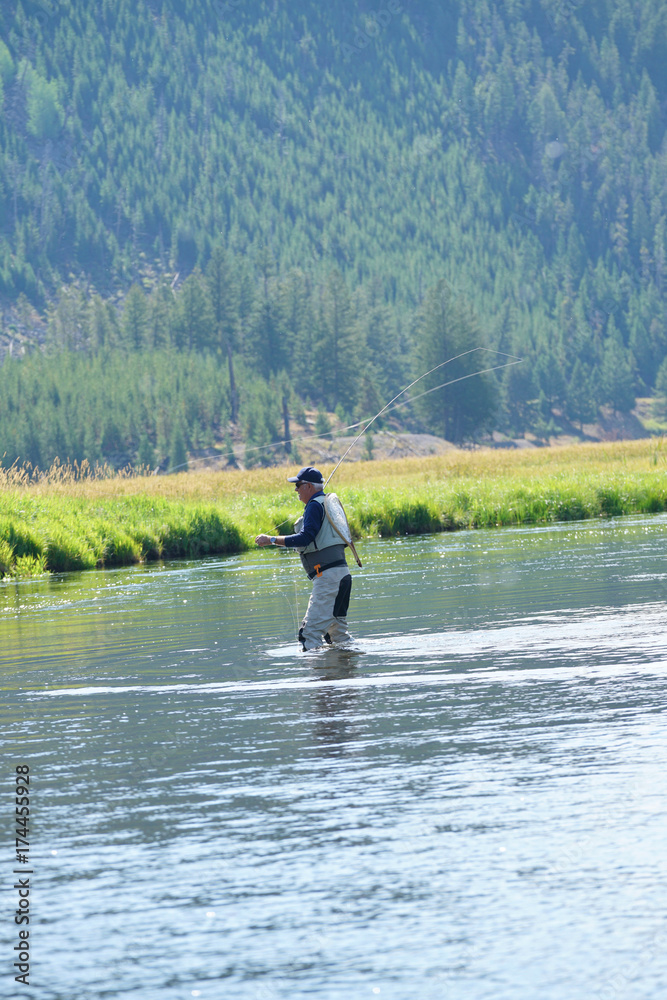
(305,491)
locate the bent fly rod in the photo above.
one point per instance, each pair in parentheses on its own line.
(482,371)
(515,361)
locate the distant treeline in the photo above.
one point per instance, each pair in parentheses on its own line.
(363,177)
(177,370)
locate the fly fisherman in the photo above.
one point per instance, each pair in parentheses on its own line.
(322,552)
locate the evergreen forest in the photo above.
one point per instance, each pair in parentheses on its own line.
(216,214)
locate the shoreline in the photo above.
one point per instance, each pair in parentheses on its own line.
(65,522)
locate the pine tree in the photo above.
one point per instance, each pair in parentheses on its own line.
(335,354)
(134,324)
(445,330)
(223,293)
(616,376)
(178,456)
(146,452)
(102,325)
(194,319)
(162,316)
(265,348)
(45,112)
(580,396)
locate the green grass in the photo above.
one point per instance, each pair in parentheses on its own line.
(60,533)
(504,502)
(64,521)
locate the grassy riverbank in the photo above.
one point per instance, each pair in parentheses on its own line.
(62,522)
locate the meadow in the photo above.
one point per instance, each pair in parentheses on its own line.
(72,518)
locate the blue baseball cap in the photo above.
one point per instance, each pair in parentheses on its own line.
(308,475)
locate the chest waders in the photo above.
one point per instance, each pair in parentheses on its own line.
(323,559)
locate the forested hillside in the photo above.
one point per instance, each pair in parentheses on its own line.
(224,210)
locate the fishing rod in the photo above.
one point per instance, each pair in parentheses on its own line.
(389,406)
(515,361)
(483,371)
(461,378)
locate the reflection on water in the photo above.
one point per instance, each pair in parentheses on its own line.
(468,804)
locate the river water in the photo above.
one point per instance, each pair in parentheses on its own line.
(471,804)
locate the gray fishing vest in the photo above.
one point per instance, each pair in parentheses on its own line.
(326,550)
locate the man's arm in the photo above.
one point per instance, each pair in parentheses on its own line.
(312,522)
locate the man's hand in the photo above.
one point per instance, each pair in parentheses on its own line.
(263,540)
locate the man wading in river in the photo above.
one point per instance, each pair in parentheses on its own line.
(322,552)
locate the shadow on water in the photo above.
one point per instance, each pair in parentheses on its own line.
(335,729)
(334,664)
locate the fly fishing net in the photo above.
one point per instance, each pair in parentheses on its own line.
(335,514)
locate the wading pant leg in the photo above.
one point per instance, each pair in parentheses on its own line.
(327,608)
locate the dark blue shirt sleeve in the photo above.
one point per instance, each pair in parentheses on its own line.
(312,522)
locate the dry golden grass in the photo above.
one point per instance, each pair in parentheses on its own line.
(527,464)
